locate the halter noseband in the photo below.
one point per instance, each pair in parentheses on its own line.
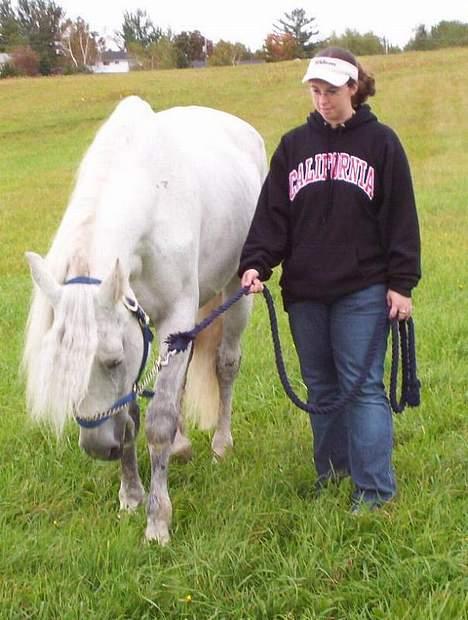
(143,320)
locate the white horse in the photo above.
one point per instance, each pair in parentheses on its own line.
(160,209)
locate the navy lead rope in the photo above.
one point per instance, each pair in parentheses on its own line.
(180,341)
(410,385)
(410,388)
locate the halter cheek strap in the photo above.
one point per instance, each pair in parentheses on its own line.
(143,320)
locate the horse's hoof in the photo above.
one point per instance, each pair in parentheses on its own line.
(130,500)
(220,446)
(158,533)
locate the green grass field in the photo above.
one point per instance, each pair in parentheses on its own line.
(248,538)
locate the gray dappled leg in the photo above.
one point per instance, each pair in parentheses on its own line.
(227,368)
(159,503)
(131,493)
(161,427)
(181,446)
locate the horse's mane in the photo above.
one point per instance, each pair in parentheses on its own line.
(58,361)
(58,371)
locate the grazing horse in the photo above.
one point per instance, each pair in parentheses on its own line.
(156,221)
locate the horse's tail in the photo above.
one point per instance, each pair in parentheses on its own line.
(201,397)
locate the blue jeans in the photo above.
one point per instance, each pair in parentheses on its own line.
(331,341)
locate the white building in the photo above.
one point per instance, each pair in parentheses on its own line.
(112,62)
(4,59)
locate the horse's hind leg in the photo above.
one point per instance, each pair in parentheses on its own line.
(131,493)
(181,448)
(227,367)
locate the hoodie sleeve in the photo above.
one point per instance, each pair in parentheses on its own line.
(399,221)
(267,240)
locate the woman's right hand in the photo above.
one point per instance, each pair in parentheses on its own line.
(250,278)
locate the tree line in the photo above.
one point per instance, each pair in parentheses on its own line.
(40,39)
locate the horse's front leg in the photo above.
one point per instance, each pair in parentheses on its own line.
(159,503)
(131,493)
(161,428)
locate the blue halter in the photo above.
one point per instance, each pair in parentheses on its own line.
(143,320)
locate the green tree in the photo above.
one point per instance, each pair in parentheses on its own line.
(79,44)
(444,34)
(421,40)
(10,28)
(137,28)
(450,34)
(161,54)
(300,27)
(227,53)
(40,24)
(191,46)
(360,44)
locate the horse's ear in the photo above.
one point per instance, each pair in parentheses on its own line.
(114,287)
(43,278)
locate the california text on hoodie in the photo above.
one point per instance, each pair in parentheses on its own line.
(337,210)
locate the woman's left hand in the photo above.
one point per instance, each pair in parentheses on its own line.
(400,307)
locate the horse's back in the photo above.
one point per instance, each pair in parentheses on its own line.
(196,146)
(212,128)
(216,156)
(190,142)
(191,129)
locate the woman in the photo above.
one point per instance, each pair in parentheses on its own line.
(337,210)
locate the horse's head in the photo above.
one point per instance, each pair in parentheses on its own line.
(89,357)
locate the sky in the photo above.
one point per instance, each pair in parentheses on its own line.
(249,21)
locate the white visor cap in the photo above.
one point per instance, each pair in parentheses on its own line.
(332,70)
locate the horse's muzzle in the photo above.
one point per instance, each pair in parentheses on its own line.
(103,452)
(106,442)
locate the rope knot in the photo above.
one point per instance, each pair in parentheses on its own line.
(180,341)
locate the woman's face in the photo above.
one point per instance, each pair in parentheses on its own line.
(332,102)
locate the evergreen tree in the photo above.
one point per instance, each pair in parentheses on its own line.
(444,34)
(359,44)
(191,46)
(421,40)
(138,30)
(10,30)
(40,25)
(300,27)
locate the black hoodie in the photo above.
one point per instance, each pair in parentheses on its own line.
(337,210)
